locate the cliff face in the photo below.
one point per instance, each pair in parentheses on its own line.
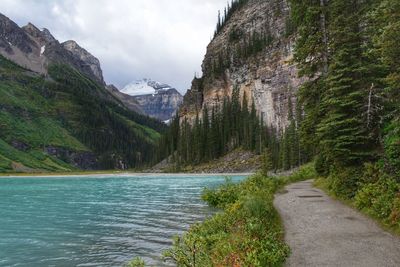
(90,62)
(234,59)
(162,105)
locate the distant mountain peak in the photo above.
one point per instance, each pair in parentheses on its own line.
(156,99)
(145,86)
(43,37)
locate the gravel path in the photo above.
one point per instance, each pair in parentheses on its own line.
(323,232)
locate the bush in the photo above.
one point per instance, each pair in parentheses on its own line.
(392,147)
(345,181)
(321,165)
(136,262)
(306,172)
(394,218)
(378,198)
(223,196)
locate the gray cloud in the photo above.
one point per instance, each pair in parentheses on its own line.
(160,39)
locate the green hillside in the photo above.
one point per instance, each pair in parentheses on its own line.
(66,121)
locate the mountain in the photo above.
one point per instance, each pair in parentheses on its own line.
(247,95)
(251,51)
(129,101)
(155,99)
(56,113)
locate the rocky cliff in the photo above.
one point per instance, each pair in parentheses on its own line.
(90,62)
(252,52)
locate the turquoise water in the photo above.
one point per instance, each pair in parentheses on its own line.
(96,221)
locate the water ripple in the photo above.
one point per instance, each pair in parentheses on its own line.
(104,221)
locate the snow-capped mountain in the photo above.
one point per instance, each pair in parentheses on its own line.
(145,87)
(158,100)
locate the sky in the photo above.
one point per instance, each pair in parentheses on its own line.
(164,40)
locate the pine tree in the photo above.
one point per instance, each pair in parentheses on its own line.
(342,130)
(311,18)
(267,165)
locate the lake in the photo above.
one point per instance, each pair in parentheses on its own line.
(98,220)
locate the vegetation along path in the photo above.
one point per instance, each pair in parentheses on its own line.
(323,232)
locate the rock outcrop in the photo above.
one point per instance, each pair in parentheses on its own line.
(268,77)
(90,62)
(17,45)
(78,159)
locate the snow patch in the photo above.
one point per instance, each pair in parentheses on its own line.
(42,49)
(145,87)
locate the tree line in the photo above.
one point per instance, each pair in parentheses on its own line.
(221,129)
(349,52)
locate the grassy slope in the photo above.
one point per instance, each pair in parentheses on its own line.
(39,113)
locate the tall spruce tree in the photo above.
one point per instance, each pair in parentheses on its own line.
(311,18)
(342,131)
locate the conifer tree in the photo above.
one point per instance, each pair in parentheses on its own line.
(342,130)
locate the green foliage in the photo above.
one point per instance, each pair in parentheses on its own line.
(392,148)
(378,198)
(136,262)
(221,197)
(347,50)
(234,125)
(247,232)
(372,190)
(267,165)
(345,181)
(70,112)
(305,172)
(214,133)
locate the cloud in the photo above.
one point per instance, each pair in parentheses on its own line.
(160,39)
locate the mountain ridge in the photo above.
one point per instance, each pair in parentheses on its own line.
(156,99)
(55,112)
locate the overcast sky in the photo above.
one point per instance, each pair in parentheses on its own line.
(160,39)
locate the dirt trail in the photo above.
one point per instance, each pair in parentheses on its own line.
(323,232)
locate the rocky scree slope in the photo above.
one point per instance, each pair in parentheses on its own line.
(252,52)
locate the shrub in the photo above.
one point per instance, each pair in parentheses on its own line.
(306,172)
(392,147)
(321,165)
(394,218)
(136,262)
(344,181)
(378,198)
(221,197)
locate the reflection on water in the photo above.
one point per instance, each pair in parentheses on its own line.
(88,221)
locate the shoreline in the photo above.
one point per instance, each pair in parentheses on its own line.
(115,174)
